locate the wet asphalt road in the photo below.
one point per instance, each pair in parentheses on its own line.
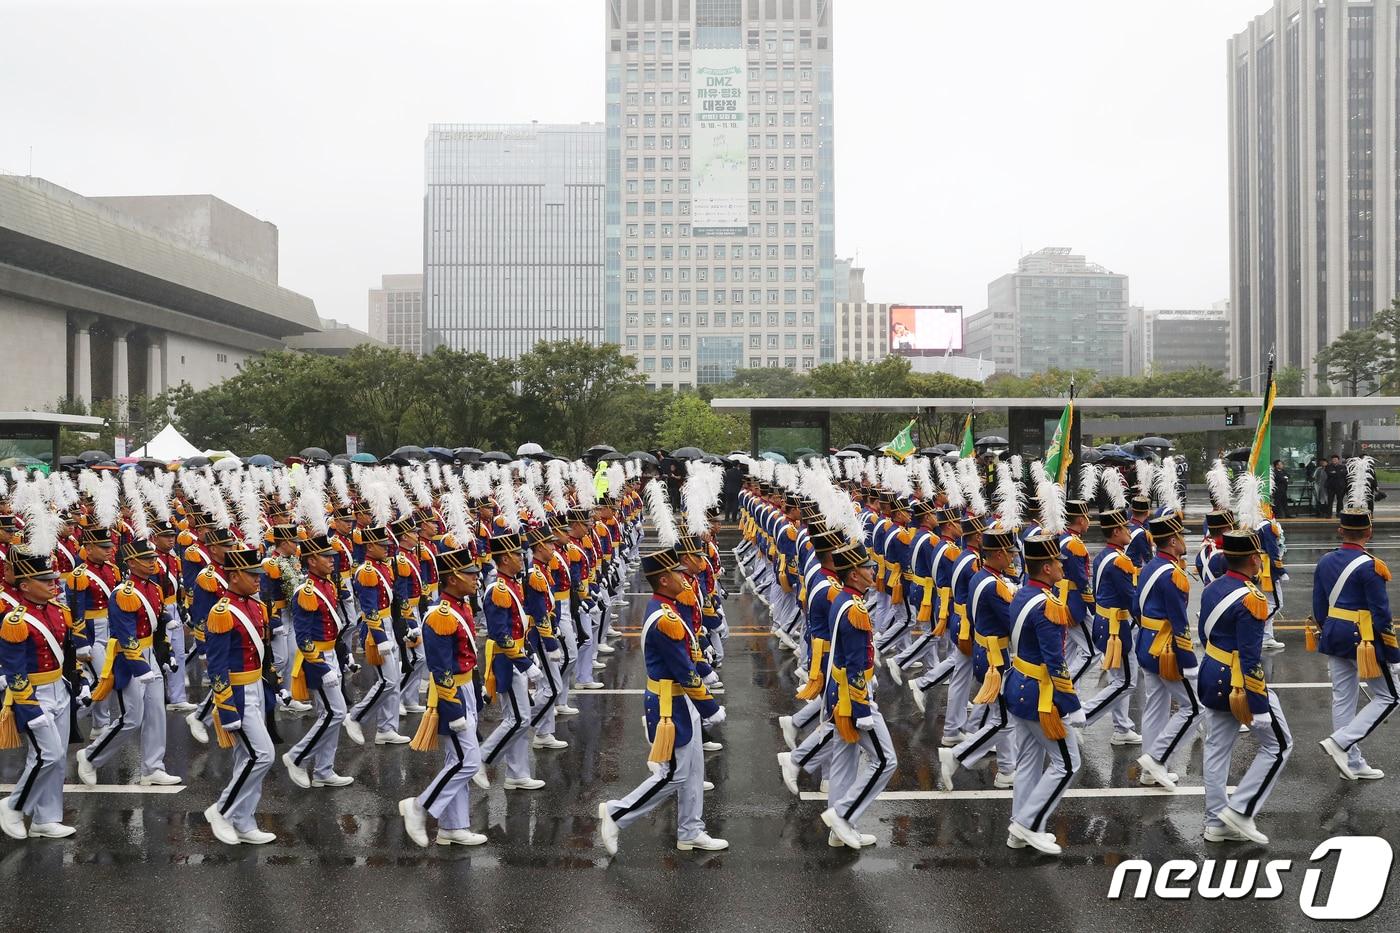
(144,861)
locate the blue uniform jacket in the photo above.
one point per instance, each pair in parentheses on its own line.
(1041,640)
(450,653)
(1140,544)
(848,689)
(1364,590)
(1162,593)
(1238,629)
(666,646)
(989,604)
(1115,585)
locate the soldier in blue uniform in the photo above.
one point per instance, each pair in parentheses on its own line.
(1165,652)
(1358,638)
(938,604)
(509,668)
(1139,546)
(989,606)
(677,704)
(1210,559)
(1041,699)
(1234,692)
(1115,611)
(919,591)
(1076,589)
(862,757)
(1273,575)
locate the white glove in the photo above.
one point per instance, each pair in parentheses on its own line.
(865,723)
(556,657)
(149,676)
(534,674)
(1261,719)
(85,695)
(711,679)
(85,652)
(1076,719)
(716,719)
(460,724)
(331,678)
(4,683)
(234,726)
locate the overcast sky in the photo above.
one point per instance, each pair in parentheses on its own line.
(967,131)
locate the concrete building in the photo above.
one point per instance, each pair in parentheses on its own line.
(333,339)
(1056,311)
(513,236)
(124,297)
(1175,340)
(396,312)
(862,327)
(1314,192)
(721,199)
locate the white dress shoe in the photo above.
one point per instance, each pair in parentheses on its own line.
(589,685)
(299,706)
(1273,644)
(1004,780)
(414,708)
(391,738)
(415,821)
(607,827)
(197,730)
(158,779)
(180,707)
(50,831)
(1041,842)
(297,773)
(1222,834)
(1154,773)
(1125,738)
(707,785)
(1339,758)
(566,710)
(1368,773)
(12,821)
(789,771)
(86,772)
(459,837)
(789,731)
(333,780)
(547,741)
(920,699)
(600,666)
(835,842)
(843,829)
(1015,842)
(1244,825)
(711,746)
(523,783)
(223,830)
(704,841)
(257,837)
(947,767)
(606,649)
(951,741)
(895,673)
(352,729)
(481,780)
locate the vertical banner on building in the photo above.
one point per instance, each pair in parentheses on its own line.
(719,160)
(119,447)
(352,444)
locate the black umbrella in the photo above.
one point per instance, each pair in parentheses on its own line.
(67,463)
(195,463)
(844,454)
(688,453)
(260,460)
(94,456)
(859,448)
(1114,452)
(467,454)
(410,452)
(712,458)
(946,448)
(495,456)
(315,454)
(1089,455)
(600,450)
(991,440)
(643,456)
(441,454)
(1239,453)
(805,452)
(340,458)
(1155,442)
(150,463)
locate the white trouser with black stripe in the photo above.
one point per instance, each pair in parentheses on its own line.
(1275,745)
(510,741)
(1117,696)
(379,707)
(175,687)
(1350,727)
(568,644)
(1045,768)
(547,695)
(1164,731)
(858,771)
(992,734)
(137,707)
(39,790)
(448,795)
(252,757)
(683,777)
(1079,650)
(321,740)
(587,650)
(101,712)
(284,646)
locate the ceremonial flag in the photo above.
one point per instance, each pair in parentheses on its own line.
(967,442)
(1060,454)
(1263,438)
(903,443)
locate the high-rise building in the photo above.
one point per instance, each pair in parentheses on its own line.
(1314,95)
(862,327)
(1174,340)
(1056,311)
(396,312)
(721,208)
(513,236)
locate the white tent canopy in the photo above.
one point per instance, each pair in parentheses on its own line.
(167,445)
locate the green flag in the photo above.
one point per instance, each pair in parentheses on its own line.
(903,443)
(968,447)
(1263,439)
(1060,455)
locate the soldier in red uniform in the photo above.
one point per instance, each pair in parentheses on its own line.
(93,583)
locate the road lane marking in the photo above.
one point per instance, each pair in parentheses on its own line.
(893,796)
(113,789)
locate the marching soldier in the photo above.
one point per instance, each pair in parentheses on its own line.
(452,707)
(1041,698)
(132,673)
(236,644)
(375,598)
(1075,590)
(1165,652)
(1139,547)
(509,669)
(210,586)
(543,640)
(1234,693)
(93,582)
(677,704)
(1115,586)
(163,537)
(1358,638)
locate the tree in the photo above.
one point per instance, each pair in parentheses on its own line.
(690,421)
(1359,361)
(771,382)
(1289,381)
(566,389)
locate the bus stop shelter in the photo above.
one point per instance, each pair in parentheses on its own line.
(35,433)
